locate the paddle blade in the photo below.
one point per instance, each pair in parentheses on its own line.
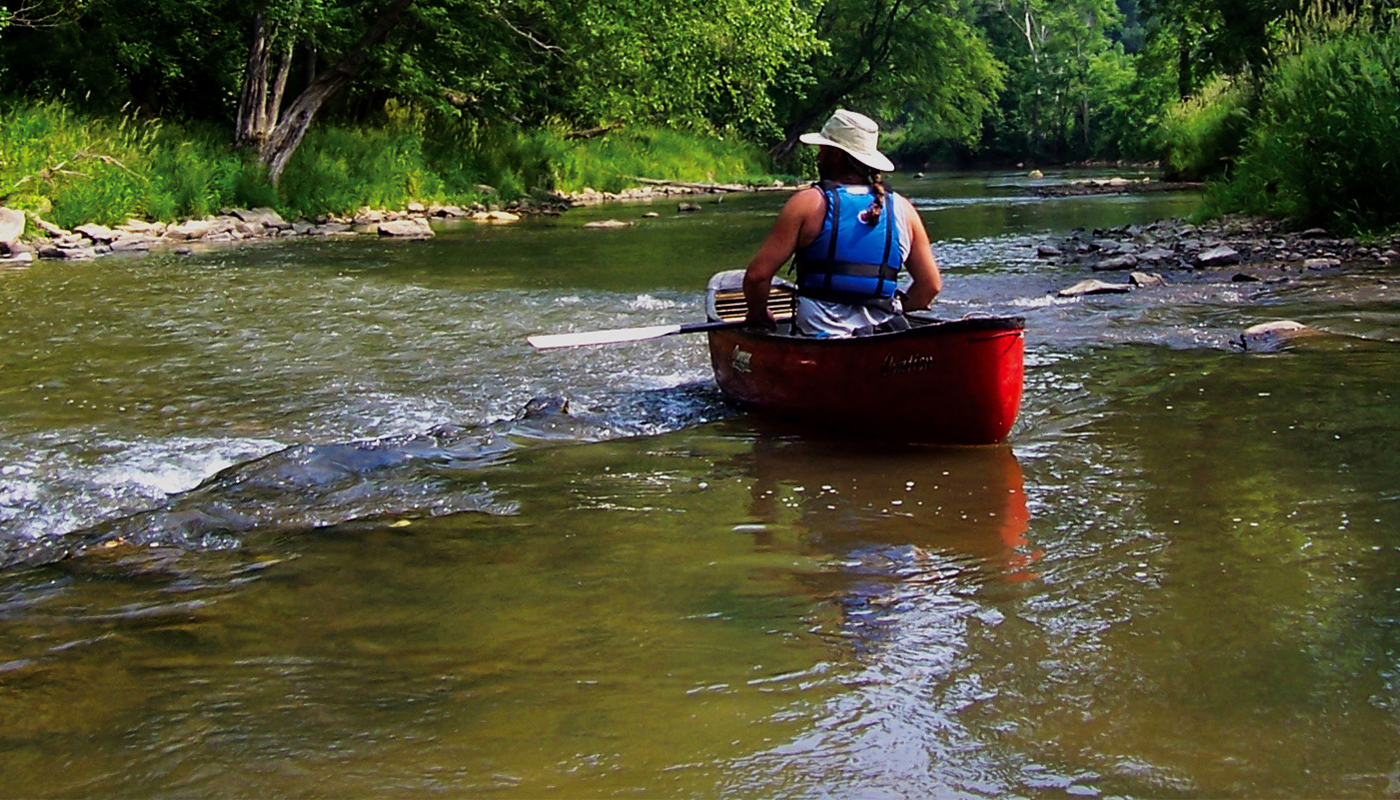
(615,336)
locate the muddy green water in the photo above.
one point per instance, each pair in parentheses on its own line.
(330,556)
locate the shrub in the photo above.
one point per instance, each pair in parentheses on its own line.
(1201,136)
(1325,149)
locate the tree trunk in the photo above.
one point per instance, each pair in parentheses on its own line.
(283,139)
(253,99)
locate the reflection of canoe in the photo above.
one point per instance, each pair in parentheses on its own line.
(952,382)
(965,502)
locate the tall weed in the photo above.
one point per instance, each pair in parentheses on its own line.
(1202,136)
(1326,149)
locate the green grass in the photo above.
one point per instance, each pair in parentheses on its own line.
(73,169)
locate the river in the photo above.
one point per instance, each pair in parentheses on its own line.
(331,547)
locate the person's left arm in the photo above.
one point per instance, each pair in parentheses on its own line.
(782,241)
(922,266)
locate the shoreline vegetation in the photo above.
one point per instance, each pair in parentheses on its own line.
(1295,127)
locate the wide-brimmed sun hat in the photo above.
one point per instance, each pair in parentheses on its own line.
(854,133)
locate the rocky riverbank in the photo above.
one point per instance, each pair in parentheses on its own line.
(45,240)
(22,243)
(1250,249)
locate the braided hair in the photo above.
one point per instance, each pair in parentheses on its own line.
(871,216)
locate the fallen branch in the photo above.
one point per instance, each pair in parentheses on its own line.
(593,132)
(695,187)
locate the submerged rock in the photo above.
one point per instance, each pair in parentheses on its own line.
(607,223)
(1268,337)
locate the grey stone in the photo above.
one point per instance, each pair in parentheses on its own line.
(17,258)
(687,207)
(1047,251)
(1244,277)
(132,243)
(406,228)
(262,215)
(1154,256)
(1144,279)
(1094,287)
(1218,256)
(1116,263)
(1322,263)
(97,233)
(71,253)
(1314,233)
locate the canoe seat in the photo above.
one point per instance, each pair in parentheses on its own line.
(729,303)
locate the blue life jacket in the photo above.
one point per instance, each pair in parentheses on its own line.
(852,261)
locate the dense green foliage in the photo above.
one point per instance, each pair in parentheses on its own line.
(1324,148)
(324,105)
(1201,135)
(74,169)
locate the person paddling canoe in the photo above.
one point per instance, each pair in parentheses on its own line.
(851,236)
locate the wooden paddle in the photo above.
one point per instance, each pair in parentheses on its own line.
(619,335)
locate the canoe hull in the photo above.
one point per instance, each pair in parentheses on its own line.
(954,382)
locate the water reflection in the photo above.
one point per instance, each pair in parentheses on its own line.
(873,502)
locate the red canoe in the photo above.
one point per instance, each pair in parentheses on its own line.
(955,382)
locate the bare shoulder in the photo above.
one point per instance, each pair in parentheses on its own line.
(810,197)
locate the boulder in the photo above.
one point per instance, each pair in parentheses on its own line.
(97,233)
(406,228)
(1094,287)
(196,229)
(495,216)
(1218,256)
(1273,336)
(131,243)
(264,216)
(1154,256)
(17,258)
(1144,279)
(11,225)
(68,253)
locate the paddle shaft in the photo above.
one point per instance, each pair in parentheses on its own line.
(619,335)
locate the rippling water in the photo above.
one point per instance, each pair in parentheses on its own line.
(283,520)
